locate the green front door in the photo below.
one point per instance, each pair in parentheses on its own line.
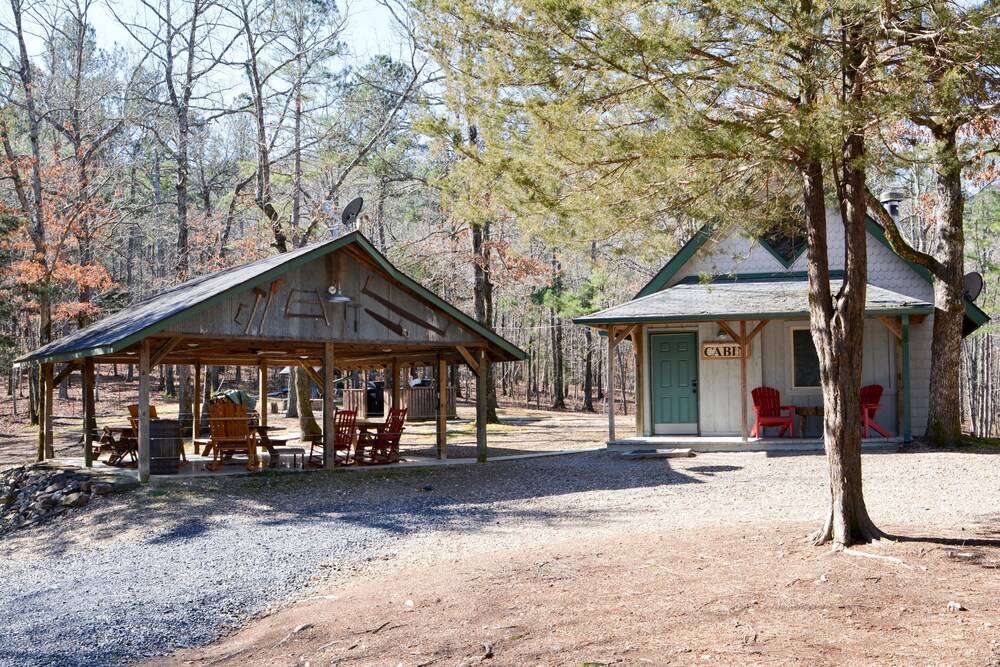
(674,382)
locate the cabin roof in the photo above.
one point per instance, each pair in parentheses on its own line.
(154,314)
(975,317)
(743,300)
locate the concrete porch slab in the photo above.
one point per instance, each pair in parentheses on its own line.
(733,443)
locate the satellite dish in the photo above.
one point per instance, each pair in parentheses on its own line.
(972,285)
(351,211)
(328,209)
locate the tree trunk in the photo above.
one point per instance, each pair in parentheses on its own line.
(307,422)
(944,420)
(483,305)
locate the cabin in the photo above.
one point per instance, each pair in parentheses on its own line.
(729,313)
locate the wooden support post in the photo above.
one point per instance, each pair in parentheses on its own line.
(611,383)
(395,383)
(744,349)
(907,425)
(262,387)
(481,391)
(45,395)
(50,388)
(328,406)
(638,345)
(442,408)
(89,412)
(196,406)
(144,411)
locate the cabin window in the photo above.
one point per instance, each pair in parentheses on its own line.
(805,361)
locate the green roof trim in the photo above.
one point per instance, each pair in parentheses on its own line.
(755,277)
(787,263)
(671,268)
(732,317)
(110,341)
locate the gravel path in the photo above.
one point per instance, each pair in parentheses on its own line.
(176,564)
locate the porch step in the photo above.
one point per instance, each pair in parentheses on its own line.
(678,453)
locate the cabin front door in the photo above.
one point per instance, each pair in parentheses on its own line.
(674,382)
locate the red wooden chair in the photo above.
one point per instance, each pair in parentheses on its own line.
(383,445)
(770,412)
(871,395)
(343,438)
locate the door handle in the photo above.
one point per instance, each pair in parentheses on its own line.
(694,383)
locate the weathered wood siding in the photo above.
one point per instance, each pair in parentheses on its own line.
(294,307)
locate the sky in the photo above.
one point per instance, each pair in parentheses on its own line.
(369,29)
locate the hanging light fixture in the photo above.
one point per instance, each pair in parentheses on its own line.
(334,295)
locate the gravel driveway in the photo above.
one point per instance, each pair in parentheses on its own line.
(175,564)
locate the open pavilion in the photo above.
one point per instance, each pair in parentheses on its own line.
(336,305)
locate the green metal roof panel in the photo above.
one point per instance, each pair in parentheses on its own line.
(742,300)
(156,313)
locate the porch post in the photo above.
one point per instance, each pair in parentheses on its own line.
(196,406)
(45,396)
(907,426)
(481,391)
(328,406)
(638,344)
(144,411)
(89,417)
(744,349)
(395,383)
(611,384)
(262,388)
(442,408)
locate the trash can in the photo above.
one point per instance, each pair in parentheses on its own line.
(164,446)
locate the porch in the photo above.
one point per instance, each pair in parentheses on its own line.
(735,443)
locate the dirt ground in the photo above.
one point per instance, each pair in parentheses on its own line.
(738,593)
(717,597)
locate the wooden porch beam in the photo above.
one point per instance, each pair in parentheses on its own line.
(624,333)
(612,344)
(316,377)
(469,359)
(892,325)
(729,330)
(64,373)
(395,383)
(756,330)
(164,350)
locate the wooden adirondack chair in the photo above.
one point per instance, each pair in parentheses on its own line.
(871,395)
(230,429)
(343,438)
(382,446)
(770,412)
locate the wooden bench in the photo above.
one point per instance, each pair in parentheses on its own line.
(277,446)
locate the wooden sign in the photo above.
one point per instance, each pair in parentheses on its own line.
(723,350)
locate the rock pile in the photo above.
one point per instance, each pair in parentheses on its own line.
(35,493)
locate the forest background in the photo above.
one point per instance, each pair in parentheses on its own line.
(146,142)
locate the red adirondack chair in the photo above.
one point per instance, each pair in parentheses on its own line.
(382,446)
(343,438)
(870,397)
(770,412)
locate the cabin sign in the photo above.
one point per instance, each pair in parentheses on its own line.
(723,350)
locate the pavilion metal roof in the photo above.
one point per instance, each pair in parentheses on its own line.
(154,314)
(743,300)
